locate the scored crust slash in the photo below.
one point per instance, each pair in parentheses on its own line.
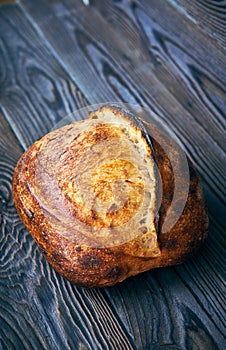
(109,197)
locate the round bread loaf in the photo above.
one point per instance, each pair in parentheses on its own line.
(98,197)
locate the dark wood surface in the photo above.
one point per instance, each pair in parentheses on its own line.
(59,56)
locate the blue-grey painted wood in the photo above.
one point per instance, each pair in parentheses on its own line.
(56,57)
(210,15)
(32,80)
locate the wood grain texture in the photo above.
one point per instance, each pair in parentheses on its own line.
(32,80)
(209,15)
(57,56)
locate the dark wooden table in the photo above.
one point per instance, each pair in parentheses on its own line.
(58,56)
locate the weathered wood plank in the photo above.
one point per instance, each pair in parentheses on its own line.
(164,300)
(210,15)
(172,308)
(89,81)
(35,90)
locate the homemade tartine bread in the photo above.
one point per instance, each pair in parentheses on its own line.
(95,195)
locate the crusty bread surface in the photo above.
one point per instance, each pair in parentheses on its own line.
(95,195)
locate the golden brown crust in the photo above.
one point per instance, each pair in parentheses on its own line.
(90,265)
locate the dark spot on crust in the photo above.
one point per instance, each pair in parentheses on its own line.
(192,190)
(143,221)
(90,261)
(94,214)
(170,244)
(143,229)
(78,249)
(115,272)
(45,235)
(57,257)
(193,246)
(161,157)
(94,117)
(43,250)
(113,208)
(192,172)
